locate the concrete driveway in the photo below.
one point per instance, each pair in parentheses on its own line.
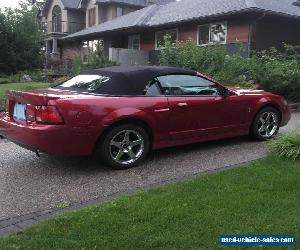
(29,184)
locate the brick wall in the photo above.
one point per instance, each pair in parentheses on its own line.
(70,50)
(187,32)
(148,41)
(237,32)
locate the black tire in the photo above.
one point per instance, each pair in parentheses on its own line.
(109,152)
(257,124)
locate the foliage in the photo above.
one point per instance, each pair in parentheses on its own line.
(21,40)
(273,70)
(54,63)
(279,70)
(14,78)
(36,76)
(261,198)
(95,60)
(4,80)
(205,59)
(287,146)
(19,86)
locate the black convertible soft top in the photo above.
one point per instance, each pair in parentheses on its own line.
(132,80)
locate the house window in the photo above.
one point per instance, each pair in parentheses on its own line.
(215,33)
(92,16)
(134,42)
(56,19)
(119,11)
(160,36)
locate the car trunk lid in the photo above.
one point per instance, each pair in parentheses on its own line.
(18,101)
(38,97)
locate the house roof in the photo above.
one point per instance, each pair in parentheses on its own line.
(140,3)
(71,4)
(133,19)
(187,10)
(68,4)
(77,4)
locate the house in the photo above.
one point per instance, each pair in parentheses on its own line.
(75,26)
(63,17)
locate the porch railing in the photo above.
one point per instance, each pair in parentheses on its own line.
(62,27)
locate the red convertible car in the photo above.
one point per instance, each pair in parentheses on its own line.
(121,113)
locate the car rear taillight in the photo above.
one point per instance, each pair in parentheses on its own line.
(30,112)
(48,115)
(43,114)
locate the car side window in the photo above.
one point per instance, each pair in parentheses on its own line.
(153,89)
(188,85)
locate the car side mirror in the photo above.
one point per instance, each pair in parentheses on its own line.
(225,93)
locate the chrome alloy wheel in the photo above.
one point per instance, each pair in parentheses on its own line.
(126,147)
(268,124)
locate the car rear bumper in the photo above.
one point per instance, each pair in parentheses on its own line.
(59,140)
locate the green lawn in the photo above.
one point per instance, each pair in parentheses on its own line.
(20,86)
(263,198)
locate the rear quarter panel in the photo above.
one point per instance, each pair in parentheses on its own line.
(93,114)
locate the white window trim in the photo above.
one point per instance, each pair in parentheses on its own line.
(176,29)
(122,11)
(209,24)
(88,16)
(135,36)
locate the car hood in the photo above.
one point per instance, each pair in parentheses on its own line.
(244,91)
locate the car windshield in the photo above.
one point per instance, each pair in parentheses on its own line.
(85,82)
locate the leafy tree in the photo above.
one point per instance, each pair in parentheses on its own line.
(7,54)
(21,40)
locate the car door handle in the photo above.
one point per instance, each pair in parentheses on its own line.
(182,104)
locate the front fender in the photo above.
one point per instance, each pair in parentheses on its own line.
(267,101)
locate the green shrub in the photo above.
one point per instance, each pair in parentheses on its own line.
(205,59)
(4,80)
(272,70)
(279,71)
(287,146)
(95,60)
(36,76)
(14,78)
